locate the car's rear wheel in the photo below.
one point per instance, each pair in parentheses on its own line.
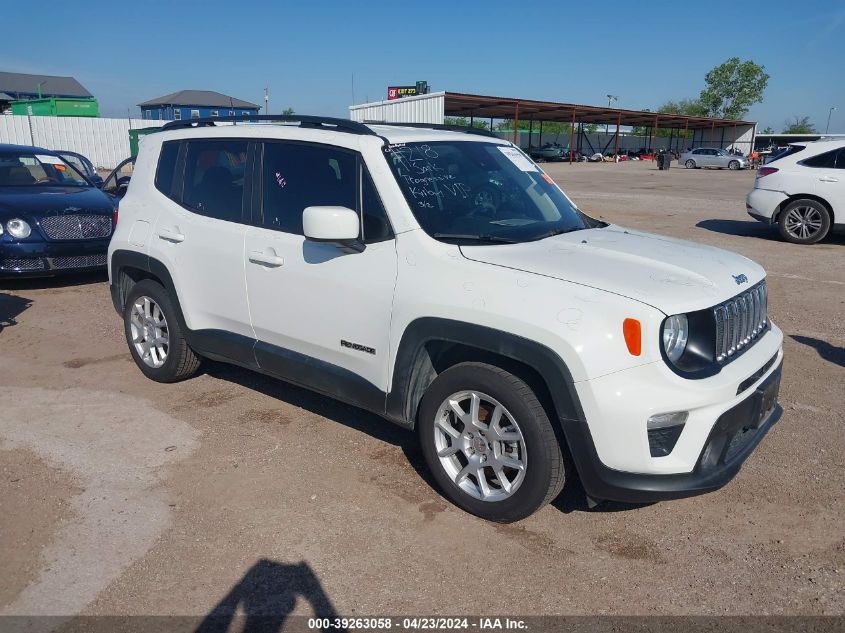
(734,164)
(489,442)
(690,164)
(804,221)
(154,335)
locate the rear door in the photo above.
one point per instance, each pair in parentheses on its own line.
(828,173)
(199,236)
(321,315)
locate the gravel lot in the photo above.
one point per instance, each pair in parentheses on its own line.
(123,496)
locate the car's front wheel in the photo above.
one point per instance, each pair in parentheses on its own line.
(489,443)
(690,164)
(734,164)
(804,221)
(154,335)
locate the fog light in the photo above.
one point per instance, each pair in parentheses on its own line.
(664,429)
(662,420)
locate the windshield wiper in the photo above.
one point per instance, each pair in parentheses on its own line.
(554,232)
(484,237)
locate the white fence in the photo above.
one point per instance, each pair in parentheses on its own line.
(104,141)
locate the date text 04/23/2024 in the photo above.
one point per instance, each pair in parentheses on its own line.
(417,623)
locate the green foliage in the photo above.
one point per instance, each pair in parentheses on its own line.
(549,127)
(288,111)
(732,88)
(463,121)
(799,125)
(768,130)
(689,107)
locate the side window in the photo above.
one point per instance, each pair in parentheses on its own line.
(826,160)
(166,170)
(376,225)
(214,178)
(177,114)
(195,114)
(840,161)
(298,176)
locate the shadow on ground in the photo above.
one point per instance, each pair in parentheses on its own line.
(830,353)
(571,499)
(11,307)
(265,597)
(60,281)
(743,228)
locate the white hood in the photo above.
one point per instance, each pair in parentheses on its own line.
(671,275)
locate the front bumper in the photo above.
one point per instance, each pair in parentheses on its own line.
(725,422)
(732,439)
(37,259)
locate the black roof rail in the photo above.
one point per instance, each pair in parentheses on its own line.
(304,120)
(440,126)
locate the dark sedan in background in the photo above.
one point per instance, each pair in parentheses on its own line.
(52,218)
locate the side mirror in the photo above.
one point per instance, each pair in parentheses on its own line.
(333,225)
(96,180)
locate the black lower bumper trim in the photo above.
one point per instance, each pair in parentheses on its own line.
(732,439)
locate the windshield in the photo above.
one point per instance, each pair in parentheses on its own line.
(27,170)
(467,190)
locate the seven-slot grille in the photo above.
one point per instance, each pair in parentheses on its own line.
(740,320)
(77,227)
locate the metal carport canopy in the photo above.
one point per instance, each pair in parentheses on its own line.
(481,106)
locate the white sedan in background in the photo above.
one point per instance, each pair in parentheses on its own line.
(802,190)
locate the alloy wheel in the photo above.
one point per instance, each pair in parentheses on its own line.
(480,445)
(803,222)
(150,334)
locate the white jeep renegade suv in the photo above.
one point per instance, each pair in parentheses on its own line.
(439,278)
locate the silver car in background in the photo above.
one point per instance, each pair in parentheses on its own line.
(712,157)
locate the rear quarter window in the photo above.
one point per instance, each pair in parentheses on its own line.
(166,170)
(827,160)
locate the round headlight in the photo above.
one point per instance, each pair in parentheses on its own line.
(675,336)
(18,228)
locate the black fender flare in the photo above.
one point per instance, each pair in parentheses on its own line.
(405,393)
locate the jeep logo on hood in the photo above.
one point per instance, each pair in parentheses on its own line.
(740,279)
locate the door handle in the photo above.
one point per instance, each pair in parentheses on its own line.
(266,259)
(828,179)
(170,235)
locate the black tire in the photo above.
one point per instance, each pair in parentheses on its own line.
(180,362)
(809,210)
(545,472)
(690,164)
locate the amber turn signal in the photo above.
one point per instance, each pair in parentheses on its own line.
(632,330)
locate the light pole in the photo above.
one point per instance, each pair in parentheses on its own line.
(609,99)
(266,101)
(829,112)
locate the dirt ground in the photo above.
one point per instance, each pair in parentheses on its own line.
(119,495)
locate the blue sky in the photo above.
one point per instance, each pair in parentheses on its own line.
(307,52)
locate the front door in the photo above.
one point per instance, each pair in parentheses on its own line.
(199,236)
(321,315)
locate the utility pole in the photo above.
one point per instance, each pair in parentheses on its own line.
(266,101)
(829,112)
(609,99)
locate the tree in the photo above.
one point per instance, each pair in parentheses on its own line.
(689,107)
(464,122)
(288,111)
(798,125)
(732,88)
(768,130)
